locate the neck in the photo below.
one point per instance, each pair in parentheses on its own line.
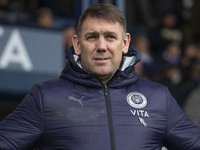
(104,78)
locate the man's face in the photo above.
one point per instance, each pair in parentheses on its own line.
(100,46)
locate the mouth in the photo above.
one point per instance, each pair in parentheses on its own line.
(101,60)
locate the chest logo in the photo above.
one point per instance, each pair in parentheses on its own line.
(71,98)
(136,100)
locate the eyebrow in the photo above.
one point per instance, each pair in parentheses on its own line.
(110,33)
(97,33)
(91,33)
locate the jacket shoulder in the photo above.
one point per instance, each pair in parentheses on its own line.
(151,84)
(51,84)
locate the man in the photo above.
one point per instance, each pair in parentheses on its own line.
(99,103)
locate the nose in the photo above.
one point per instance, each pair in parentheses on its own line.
(101,45)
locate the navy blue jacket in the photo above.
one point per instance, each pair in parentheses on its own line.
(77,112)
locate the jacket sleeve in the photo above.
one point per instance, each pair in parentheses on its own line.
(23,127)
(182,134)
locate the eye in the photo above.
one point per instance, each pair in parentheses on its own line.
(92,37)
(111,37)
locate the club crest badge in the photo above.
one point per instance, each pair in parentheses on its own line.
(136,100)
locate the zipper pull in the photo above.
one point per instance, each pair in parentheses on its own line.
(106,90)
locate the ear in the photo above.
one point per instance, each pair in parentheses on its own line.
(127,40)
(76,44)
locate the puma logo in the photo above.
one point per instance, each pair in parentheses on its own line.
(76,99)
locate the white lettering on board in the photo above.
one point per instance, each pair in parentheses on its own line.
(15,52)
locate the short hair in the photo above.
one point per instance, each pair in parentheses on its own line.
(103,10)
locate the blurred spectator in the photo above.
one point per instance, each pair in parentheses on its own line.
(67,34)
(167,32)
(195,71)
(141,43)
(172,54)
(171,71)
(191,106)
(45,18)
(173,80)
(4,10)
(192,29)
(194,76)
(139,14)
(13,11)
(60,8)
(139,69)
(189,56)
(160,7)
(187,6)
(191,66)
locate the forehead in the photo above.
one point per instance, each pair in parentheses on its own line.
(94,24)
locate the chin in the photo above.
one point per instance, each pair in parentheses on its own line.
(103,73)
(103,70)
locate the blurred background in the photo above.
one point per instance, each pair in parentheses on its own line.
(35,36)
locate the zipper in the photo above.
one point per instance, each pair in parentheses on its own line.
(109,115)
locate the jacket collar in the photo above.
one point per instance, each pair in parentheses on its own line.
(73,70)
(129,59)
